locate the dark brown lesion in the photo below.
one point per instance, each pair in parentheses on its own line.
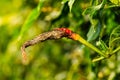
(54,34)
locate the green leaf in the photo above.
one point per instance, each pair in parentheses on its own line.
(115,38)
(94,31)
(92,10)
(117,2)
(70,4)
(93,13)
(30,19)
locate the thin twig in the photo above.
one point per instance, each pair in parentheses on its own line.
(98,59)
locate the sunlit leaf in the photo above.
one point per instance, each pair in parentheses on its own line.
(31,18)
(117,2)
(70,4)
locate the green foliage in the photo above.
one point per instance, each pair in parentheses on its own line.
(115,2)
(93,14)
(97,21)
(114,39)
(31,18)
(70,4)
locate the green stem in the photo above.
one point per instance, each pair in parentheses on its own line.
(115,50)
(98,59)
(83,41)
(101,58)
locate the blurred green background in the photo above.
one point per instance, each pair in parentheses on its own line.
(64,59)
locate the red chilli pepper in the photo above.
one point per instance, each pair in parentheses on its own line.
(67,31)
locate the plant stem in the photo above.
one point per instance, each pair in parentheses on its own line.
(115,50)
(101,58)
(98,59)
(83,41)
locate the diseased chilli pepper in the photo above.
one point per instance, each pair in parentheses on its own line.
(53,34)
(57,33)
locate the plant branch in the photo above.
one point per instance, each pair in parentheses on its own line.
(117,49)
(98,59)
(83,41)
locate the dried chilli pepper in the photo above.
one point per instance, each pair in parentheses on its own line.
(50,35)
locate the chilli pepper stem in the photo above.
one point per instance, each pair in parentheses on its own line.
(83,41)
